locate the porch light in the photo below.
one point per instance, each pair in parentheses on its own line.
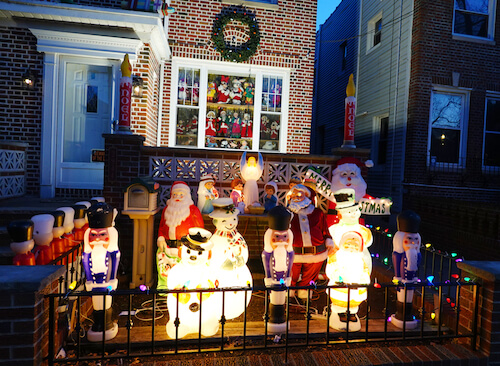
(28,80)
(137,86)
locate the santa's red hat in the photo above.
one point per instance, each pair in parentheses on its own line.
(352,160)
(182,186)
(353,235)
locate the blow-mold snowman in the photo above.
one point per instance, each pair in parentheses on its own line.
(193,272)
(229,257)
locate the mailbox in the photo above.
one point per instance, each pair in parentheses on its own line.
(141,195)
(141,204)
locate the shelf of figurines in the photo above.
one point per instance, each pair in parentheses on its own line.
(211,105)
(228,143)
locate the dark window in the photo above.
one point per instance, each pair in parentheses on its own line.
(383,140)
(471,17)
(378,32)
(492,133)
(343,55)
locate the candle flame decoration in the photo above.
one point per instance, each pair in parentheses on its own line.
(351,89)
(126,67)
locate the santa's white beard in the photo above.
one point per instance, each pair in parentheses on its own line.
(295,206)
(350,266)
(411,259)
(175,213)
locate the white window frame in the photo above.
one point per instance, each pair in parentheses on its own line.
(495,96)
(227,69)
(370,46)
(465,95)
(492,5)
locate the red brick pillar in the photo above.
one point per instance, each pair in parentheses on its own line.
(24,312)
(487,275)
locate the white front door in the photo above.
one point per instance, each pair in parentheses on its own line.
(86,113)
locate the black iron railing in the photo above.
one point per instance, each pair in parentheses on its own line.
(307,326)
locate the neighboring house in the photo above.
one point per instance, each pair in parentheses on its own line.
(75,48)
(336,59)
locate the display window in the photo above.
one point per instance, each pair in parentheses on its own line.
(236,107)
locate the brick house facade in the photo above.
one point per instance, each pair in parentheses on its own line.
(100,33)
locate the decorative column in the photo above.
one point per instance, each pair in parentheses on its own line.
(125,96)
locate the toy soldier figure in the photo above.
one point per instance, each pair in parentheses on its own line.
(277,258)
(406,259)
(21,233)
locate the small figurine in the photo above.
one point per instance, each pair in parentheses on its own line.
(251,171)
(275,101)
(223,90)
(229,256)
(177,217)
(236,126)
(79,222)
(406,259)
(42,234)
(224,144)
(21,233)
(223,124)
(210,129)
(196,93)
(311,240)
(236,92)
(206,193)
(244,145)
(58,243)
(100,259)
(181,127)
(347,265)
(270,198)
(248,93)
(69,225)
(237,194)
(211,92)
(183,91)
(265,128)
(275,127)
(211,142)
(246,126)
(233,144)
(277,258)
(269,145)
(192,126)
(193,272)
(292,183)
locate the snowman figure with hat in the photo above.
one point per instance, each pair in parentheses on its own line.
(230,257)
(185,308)
(347,174)
(406,259)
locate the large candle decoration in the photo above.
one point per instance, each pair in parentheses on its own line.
(406,260)
(101,256)
(277,258)
(125,96)
(350,114)
(193,272)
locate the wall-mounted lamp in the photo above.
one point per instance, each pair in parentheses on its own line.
(28,80)
(137,86)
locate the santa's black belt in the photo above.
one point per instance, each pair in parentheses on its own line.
(310,250)
(174,243)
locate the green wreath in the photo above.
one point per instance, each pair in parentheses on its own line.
(241,52)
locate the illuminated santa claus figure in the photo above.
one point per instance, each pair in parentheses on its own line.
(277,258)
(21,233)
(347,174)
(347,266)
(42,234)
(229,257)
(177,217)
(101,256)
(349,214)
(193,272)
(406,260)
(251,171)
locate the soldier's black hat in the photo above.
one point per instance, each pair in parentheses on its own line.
(58,218)
(100,215)
(408,221)
(80,211)
(279,218)
(21,230)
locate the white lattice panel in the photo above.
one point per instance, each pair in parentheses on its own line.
(11,160)
(12,186)
(161,167)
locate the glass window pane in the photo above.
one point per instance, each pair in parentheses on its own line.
(271,98)
(269,132)
(445,145)
(229,127)
(188,86)
(187,126)
(471,24)
(446,111)
(478,6)
(491,150)
(493,115)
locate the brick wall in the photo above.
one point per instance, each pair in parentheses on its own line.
(20,120)
(287,40)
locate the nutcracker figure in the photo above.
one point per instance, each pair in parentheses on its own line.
(21,233)
(42,234)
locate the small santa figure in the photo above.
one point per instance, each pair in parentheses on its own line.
(193,272)
(277,258)
(347,265)
(21,233)
(406,259)
(230,256)
(311,240)
(42,234)
(347,174)
(100,260)
(223,90)
(177,217)
(223,124)
(207,193)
